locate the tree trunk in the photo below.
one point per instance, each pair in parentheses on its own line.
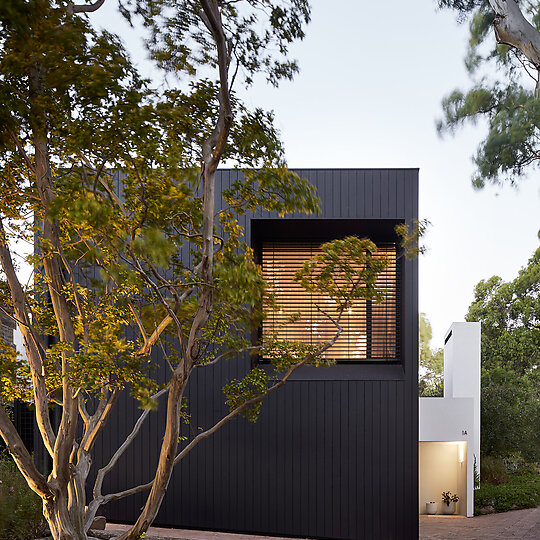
(63,510)
(166,460)
(61,520)
(212,151)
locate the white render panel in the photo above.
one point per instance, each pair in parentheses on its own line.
(446,419)
(462,361)
(456,416)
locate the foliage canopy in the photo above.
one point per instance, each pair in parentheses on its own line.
(510,317)
(505,87)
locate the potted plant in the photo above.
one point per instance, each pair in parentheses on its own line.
(431,508)
(449,502)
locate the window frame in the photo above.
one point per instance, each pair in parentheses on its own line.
(322,230)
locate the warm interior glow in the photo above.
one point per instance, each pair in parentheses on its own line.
(461,448)
(369,328)
(461,451)
(441,469)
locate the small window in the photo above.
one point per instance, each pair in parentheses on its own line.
(370,329)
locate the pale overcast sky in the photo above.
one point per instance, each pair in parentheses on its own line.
(372,78)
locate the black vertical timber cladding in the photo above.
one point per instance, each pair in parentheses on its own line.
(332,455)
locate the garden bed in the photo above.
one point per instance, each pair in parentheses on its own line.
(520,490)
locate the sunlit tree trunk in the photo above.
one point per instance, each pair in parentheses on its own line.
(63,511)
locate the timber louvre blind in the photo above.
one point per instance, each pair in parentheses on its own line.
(370,329)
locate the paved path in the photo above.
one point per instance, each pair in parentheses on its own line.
(184,534)
(522,524)
(519,524)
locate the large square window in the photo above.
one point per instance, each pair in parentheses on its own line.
(370,328)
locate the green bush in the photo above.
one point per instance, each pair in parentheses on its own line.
(21,515)
(522,490)
(510,413)
(493,471)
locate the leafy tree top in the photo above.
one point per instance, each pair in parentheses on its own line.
(510,317)
(503,59)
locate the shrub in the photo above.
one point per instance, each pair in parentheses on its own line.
(21,515)
(493,471)
(510,413)
(522,490)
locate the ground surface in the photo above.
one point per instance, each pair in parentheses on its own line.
(522,524)
(519,524)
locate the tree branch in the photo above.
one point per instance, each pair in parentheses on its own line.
(259,398)
(218,139)
(226,353)
(98,420)
(33,353)
(129,439)
(103,499)
(144,520)
(55,280)
(99,498)
(22,457)
(82,409)
(90,8)
(21,149)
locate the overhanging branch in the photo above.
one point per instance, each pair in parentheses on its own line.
(136,428)
(257,399)
(88,8)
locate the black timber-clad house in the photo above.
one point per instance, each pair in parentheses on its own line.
(334,453)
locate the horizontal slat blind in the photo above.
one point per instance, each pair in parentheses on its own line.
(369,328)
(384,315)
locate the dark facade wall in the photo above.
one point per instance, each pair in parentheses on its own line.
(7,326)
(334,452)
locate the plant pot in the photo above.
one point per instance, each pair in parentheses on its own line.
(431,508)
(448,508)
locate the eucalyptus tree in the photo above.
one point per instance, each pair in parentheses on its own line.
(116,183)
(503,59)
(510,317)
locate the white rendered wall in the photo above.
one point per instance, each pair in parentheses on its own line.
(446,419)
(456,416)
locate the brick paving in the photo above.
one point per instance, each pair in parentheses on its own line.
(184,534)
(519,524)
(522,524)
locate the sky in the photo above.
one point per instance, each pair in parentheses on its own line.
(372,77)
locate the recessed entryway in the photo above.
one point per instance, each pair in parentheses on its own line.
(442,467)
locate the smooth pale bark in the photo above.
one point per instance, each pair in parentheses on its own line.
(59,518)
(512,28)
(165,465)
(98,497)
(166,460)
